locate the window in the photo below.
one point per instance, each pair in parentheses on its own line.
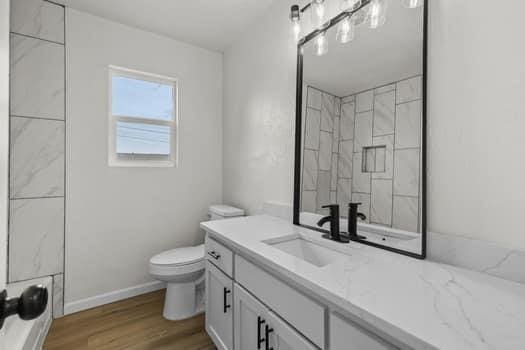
(142,119)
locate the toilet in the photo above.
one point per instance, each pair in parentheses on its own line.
(183,271)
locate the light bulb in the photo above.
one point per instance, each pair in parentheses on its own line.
(412,4)
(350,5)
(318,13)
(346,30)
(296,30)
(321,46)
(377,13)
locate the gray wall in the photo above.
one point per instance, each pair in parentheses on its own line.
(37,143)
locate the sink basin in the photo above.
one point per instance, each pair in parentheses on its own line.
(307,250)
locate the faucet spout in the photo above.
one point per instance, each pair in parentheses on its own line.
(333,218)
(323,221)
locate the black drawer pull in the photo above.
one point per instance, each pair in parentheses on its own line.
(260,340)
(225,295)
(267,336)
(214,255)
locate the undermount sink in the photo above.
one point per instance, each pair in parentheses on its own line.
(307,250)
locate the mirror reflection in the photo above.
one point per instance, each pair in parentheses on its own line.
(362,121)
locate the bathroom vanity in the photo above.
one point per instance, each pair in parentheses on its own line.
(275,285)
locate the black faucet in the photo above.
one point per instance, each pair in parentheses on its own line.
(335,234)
(353,214)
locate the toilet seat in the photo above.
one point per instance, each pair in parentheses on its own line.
(179,256)
(177,262)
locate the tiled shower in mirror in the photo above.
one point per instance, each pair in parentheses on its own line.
(365,148)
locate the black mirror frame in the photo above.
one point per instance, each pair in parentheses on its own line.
(298,135)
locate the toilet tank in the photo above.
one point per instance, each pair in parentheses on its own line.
(221,211)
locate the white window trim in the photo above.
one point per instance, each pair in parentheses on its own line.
(113,160)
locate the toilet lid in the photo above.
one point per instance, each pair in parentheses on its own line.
(179,256)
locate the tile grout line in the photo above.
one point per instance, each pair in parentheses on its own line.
(33,117)
(37,38)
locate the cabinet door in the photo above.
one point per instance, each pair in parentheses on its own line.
(219,313)
(283,337)
(346,335)
(257,328)
(250,320)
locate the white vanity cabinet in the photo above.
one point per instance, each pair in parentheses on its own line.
(248,308)
(219,313)
(256,327)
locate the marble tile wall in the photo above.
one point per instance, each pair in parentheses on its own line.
(387,116)
(321,150)
(37,144)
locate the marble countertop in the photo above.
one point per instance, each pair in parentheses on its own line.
(423,304)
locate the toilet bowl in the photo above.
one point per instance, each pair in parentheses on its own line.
(183,271)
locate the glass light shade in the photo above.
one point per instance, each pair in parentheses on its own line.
(318,11)
(346,30)
(412,4)
(377,13)
(350,5)
(296,28)
(321,44)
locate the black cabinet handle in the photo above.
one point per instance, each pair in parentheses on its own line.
(267,336)
(260,340)
(225,296)
(30,305)
(214,255)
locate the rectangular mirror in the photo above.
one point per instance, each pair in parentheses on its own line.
(360,134)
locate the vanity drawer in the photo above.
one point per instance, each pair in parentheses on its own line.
(303,313)
(220,256)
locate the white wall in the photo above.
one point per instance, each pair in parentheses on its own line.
(476,143)
(477,120)
(259,104)
(117,218)
(4,136)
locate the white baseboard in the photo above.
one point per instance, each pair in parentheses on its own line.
(106,298)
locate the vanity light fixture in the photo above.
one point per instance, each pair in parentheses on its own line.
(354,13)
(318,13)
(295,16)
(412,4)
(346,30)
(321,45)
(377,13)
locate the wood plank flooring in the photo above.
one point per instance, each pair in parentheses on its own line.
(135,324)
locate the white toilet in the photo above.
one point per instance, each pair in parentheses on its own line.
(183,271)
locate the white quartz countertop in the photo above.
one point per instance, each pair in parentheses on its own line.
(423,304)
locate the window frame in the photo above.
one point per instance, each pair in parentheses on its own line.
(137,160)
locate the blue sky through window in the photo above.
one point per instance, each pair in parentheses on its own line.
(139,98)
(144,99)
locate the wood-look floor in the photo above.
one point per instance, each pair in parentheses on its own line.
(135,323)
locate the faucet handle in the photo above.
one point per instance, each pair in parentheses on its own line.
(334,209)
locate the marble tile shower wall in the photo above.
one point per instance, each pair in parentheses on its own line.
(37,144)
(336,131)
(321,150)
(388,116)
